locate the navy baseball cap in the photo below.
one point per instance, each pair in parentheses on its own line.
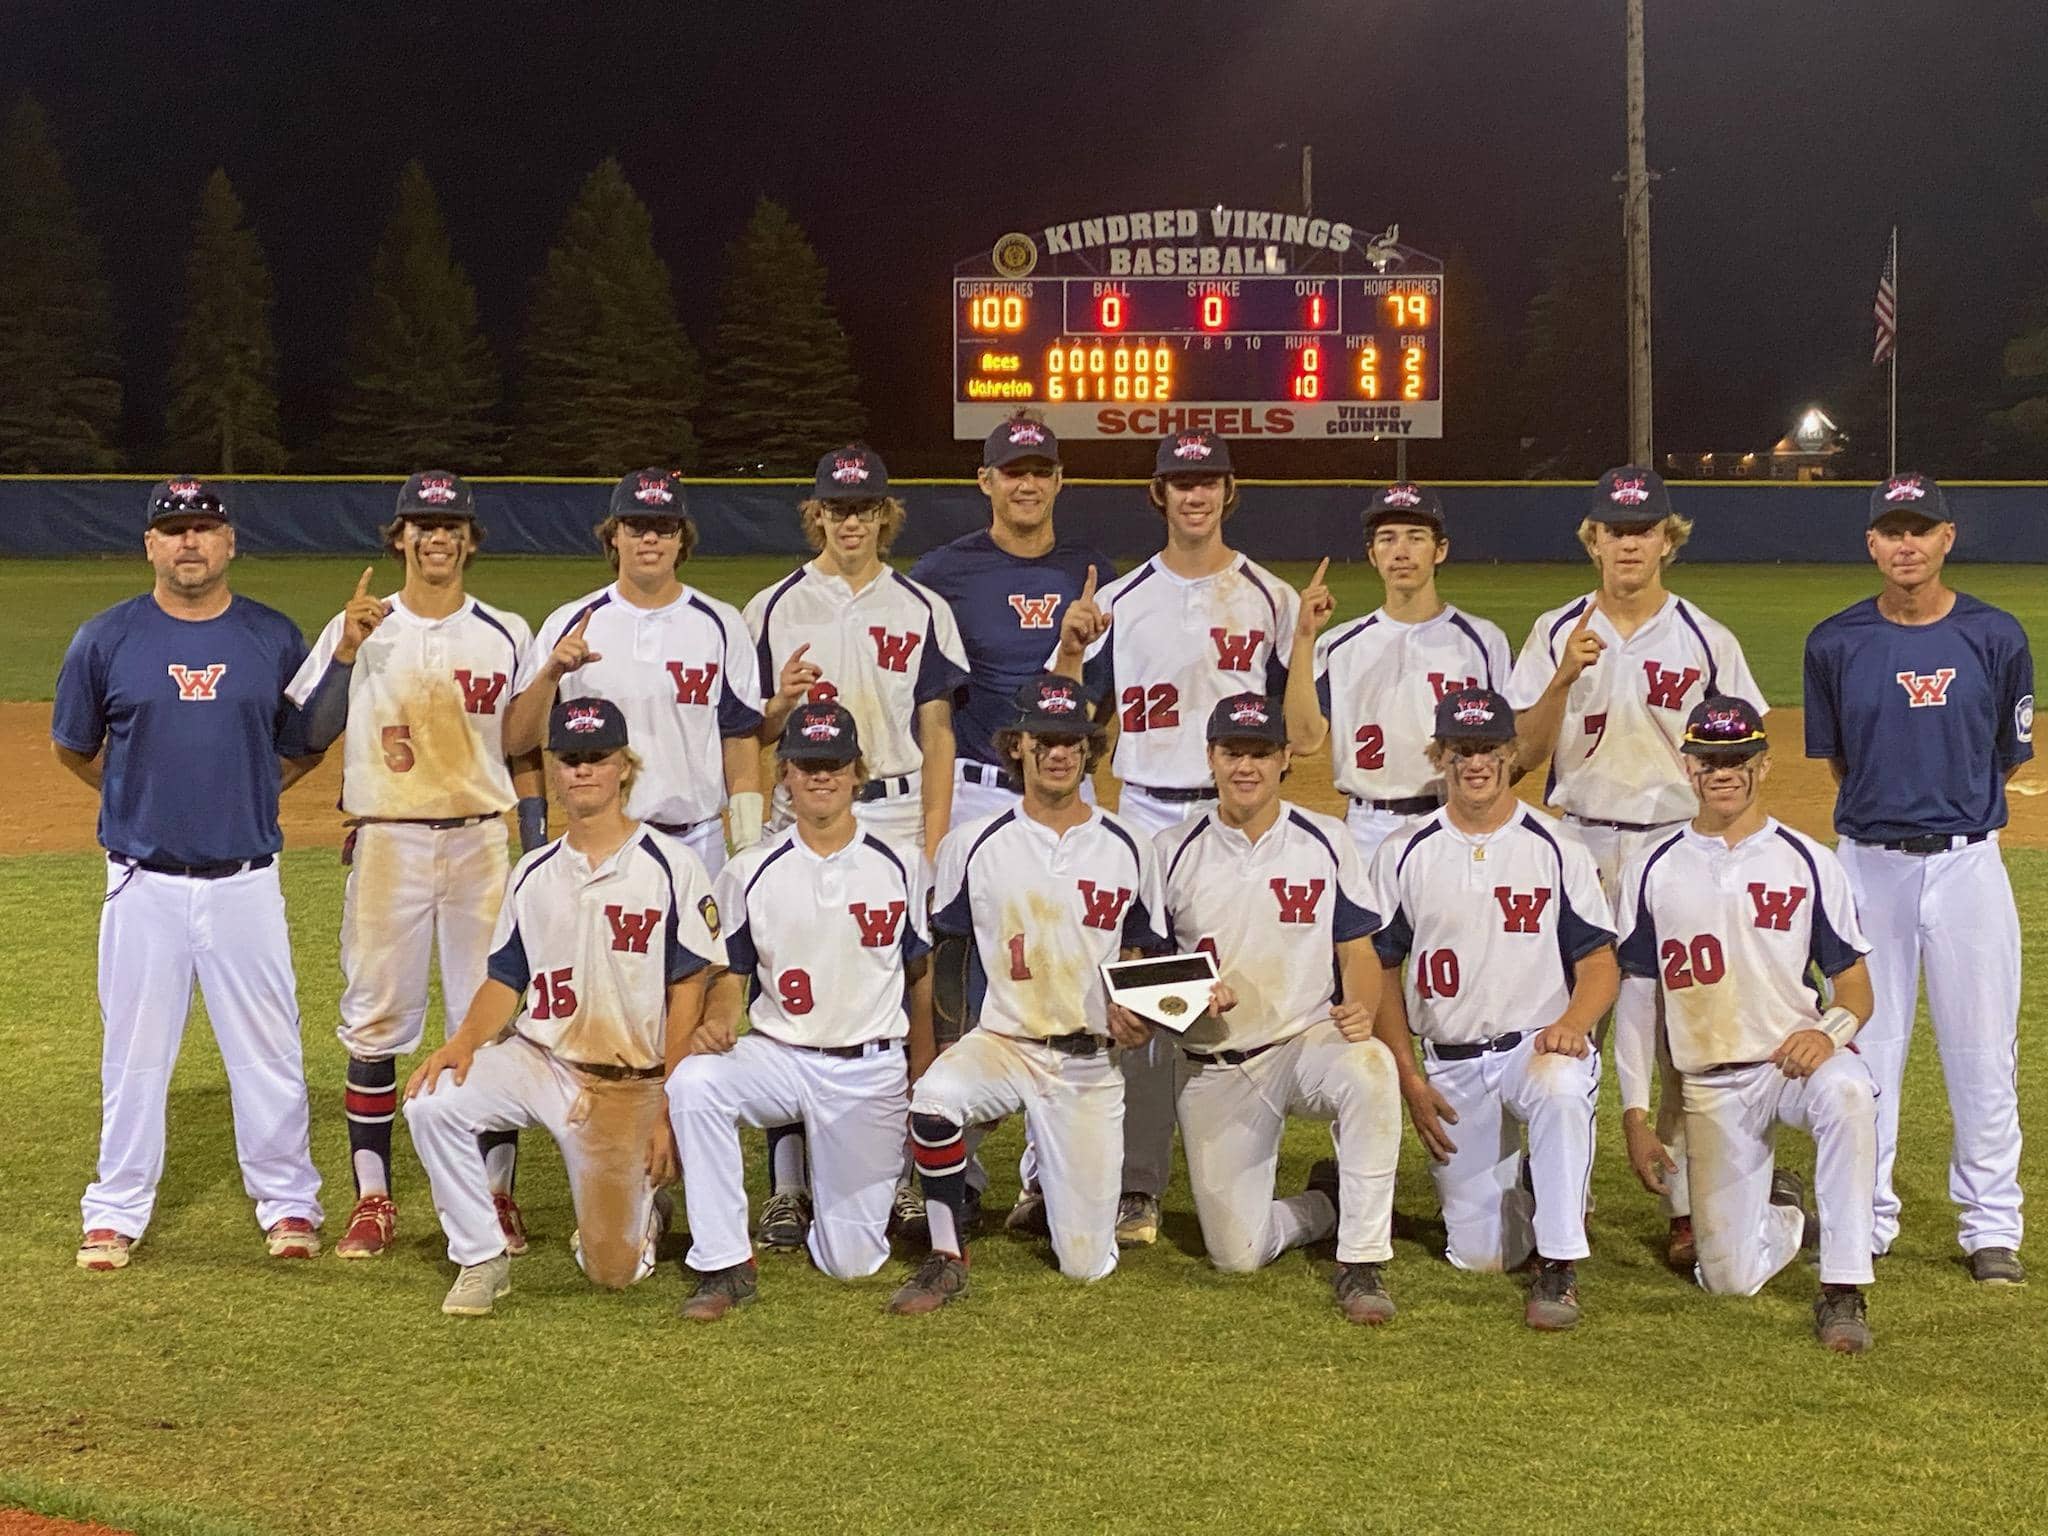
(436,493)
(852,473)
(1630,494)
(1200,452)
(823,732)
(1404,502)
(1474,714)
(1248,717)
(648,493)
(1910,493)
(587,725)
(1050,705)
(183,496)
(1019,438)
(1724,726)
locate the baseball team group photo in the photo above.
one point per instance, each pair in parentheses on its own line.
(1279,914)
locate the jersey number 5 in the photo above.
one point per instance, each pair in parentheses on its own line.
(397,743)
(553,997)
(1150,709)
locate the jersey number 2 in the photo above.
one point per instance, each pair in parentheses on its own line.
(1372,747)
(1150,709)
(553,997)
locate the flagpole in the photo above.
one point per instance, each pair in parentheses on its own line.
(1895,353)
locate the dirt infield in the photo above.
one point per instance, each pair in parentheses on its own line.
(51,812)
(19,1522)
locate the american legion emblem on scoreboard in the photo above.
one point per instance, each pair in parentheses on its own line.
(1247,322)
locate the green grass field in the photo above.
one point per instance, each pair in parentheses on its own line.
(207,1388)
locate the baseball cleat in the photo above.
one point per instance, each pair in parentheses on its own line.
(511,1223)
(1838,1320)
(785,1222)
(1997,1266)
(293,1238)
(970,1213)
(1680,1251)
(1553,1297)
(907,1219)
(1137,1221)
(1027,1216)
(939,1279)
(371,1227)
(1789,1189)
(478,1286)
(721,1290)
(104,1249)
(1362,1294)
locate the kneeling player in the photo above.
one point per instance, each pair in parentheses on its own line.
(1048,892)
(1725,918)
(830,922)
(1497,918)
(1274,891)
(613,929)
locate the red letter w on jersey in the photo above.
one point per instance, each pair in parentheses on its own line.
(480,694)
(877,928)
(1104,908)
(1668,689)
(1234,652)
(892,652)
(198,683)
(1297,902)
(1524,914)
(1035,612)
(630,930)
(1922,689)
(1774,909)
(693,684)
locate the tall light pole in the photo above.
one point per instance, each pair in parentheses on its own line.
(1636,231)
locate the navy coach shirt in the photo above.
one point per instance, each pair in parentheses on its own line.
(193,718)
(1927,718)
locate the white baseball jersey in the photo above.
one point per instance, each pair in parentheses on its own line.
(1491,927)
(1271,912)
(826,937)
(593,950)
(1732,935)
(1046,909)
(882,652)
(1378,682)
(1616,757)
(685,678)
(426,711)
(1174,649)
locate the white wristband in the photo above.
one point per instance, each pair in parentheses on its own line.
(1839,1025)
(743,819)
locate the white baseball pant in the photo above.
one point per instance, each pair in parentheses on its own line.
(975,794)
(601,1125)
(853,1112)
(1732,1118)
(1369,828)
(1491,1218)
(704,838)
(896,817)
(158,933)
(412,889)
(1232,1116)
(1073,1108)
(1612,848)
(1952,913)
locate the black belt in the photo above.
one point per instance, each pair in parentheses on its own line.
(1175,796)
(992,776)
(877,789)
(1414,805)
(437,823)
(1227,1058)
(611,1072)
(1932,842)
(220,871)
(845,1052)
(1080,1043)
(1619,826)
(678,828)
(1477,1049)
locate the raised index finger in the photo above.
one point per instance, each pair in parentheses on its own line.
(363,586)
(1321,571)
(581,624)
(1088,586)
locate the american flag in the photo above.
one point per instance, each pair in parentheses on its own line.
(1886,308)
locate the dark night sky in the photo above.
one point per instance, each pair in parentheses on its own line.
(905,137)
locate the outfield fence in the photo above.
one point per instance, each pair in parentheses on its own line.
(1279,520)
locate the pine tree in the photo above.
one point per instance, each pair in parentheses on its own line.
(223,411)
(608,378)
(782,388)
(60,388)
(422,386)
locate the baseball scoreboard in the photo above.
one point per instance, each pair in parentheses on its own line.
(1272,338)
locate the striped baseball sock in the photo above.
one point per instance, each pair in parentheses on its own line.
(940,1148)
(370,1099)
(501,1158)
